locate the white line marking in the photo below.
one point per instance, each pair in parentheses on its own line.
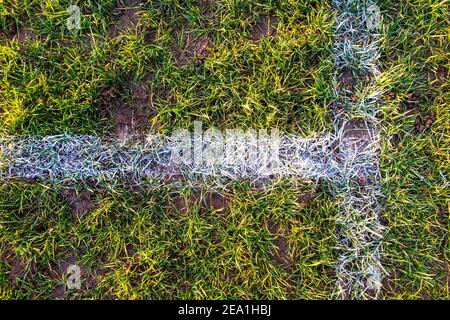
(64,158)
(348,158)
(359,270)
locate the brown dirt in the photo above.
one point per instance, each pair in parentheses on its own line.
(22,35)
(130,251)
(306,199)
(80,204)
(131,118)
(201,48)
(424,122)
(60,292)
(141,94)
(181,58)
(216,202)
(440,76)
(265,27)
(58,271)
(356,137)
(144,111)
(347,79)
(357,134)
(129,21)
(183,205)
(123,120)
(390,283)
(412,102)
(196,50)
(129,18)
(282,254)
(183,285)
(126,23)
(209,201)
(18,267)
(395,139)
(206,8)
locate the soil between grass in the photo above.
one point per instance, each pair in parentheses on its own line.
(139,66)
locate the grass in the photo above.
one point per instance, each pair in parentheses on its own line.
(177,253)
(183,242)
(284,81)
(416,161)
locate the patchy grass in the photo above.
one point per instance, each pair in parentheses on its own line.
(169,243)
(143,66)
(160,65)
(205,66)
(415,158)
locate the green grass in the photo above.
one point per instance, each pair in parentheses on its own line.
(143,243)
(416,164)
(202,252)
(54,83)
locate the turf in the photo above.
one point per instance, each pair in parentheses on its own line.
(416,154)
(245,242)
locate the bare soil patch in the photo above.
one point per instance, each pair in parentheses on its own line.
(130,251)
(183,204)
(306,199)
(80,204)
(196,50)
(206,202)
(215,201)
(347,79)
(141,93)
(18,267)
(282,254)
(390,282)
(424,122)
(124,120)
(411,103)
(22,35)
(206,8)
(357,132)
(58,272)
(131,118)
(129,18)
(265,27)
(440,76)
(129,121)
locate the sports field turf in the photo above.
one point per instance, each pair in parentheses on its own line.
(157,66)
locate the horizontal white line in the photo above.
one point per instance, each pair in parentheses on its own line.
(61,158)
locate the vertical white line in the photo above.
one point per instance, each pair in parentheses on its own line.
(359,270)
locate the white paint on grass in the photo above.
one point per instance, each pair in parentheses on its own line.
(359,271)
(348,158)
(65,158)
